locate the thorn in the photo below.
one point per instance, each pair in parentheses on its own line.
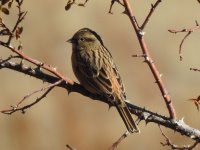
(69,91)
(142,33)
(197,24)
(192,136)
(147,58)
(139,55)
(182,120)
(23,111)
(109,106)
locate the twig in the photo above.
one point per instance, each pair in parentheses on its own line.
(115,144)
(174,146)
(69,147)
(143,114)
(195,69)
(196,101)
(153,7)
(188,32)
(150,61)
(198,1)
(112,3)
(73,2)
(21,16)
(22,109)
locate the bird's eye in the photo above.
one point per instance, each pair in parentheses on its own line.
(82,39)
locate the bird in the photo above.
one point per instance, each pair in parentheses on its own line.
(94,67)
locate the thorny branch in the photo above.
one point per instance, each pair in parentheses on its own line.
(37,63)
(149,60)
(174,146)
(188,32)
(143,114)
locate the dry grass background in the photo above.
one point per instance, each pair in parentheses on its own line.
(78,121)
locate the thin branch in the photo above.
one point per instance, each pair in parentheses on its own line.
(73,2)
(112,3)
(17,107)
(174,146)
(69,147)
(149,60)
(37,63)
(198,1)
(188,32)
(143,114)
(195,69)
(115,144)
(153,7)
(196,101)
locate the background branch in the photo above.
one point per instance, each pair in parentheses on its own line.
(188,32)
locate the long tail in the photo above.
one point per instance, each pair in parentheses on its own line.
(127,118)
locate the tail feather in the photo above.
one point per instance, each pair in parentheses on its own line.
(127,118)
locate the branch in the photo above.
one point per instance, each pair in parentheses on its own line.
(37,63)
(143,114)
(188,32)
(69,147)
(115,144)
(112,3)
(153,7)
(149,60)
(17,107)
(174,146)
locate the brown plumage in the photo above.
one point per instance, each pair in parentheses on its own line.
(94,68)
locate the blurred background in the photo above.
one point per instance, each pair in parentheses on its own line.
(76,120)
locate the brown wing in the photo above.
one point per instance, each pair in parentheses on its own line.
(96,72)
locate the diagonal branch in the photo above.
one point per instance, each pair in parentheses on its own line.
(37,63)
(149,60)
(17,107)
(153,7)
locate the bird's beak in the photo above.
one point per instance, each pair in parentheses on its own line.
(70,40)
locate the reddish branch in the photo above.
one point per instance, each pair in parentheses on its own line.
(188,32)
(153,7)
(149,60)
(37,63)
